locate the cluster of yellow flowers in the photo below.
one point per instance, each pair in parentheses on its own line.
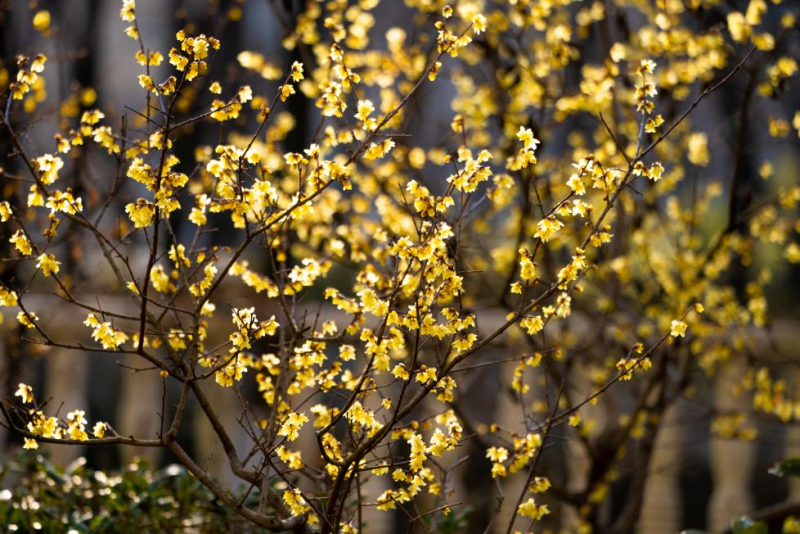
(74,428)
(104,333)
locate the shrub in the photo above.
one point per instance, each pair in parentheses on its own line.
(47,498)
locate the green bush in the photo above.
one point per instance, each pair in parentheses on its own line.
(41,496)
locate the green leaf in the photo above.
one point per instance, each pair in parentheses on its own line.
(787,468)
(746,525)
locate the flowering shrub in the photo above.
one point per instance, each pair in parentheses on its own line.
(569,231)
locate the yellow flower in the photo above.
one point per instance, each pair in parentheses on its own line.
(37,64)
(64,202)
(27,319)
(738,26)
(378,150)
(425,375)
(141,213)
(297,71)
(245,94)
(5,211)
(92,117)
(478,24)
(229,374)
(677,328)
(100,429)
(77,433)
(21,243)
(76,424)
(154,58)
(499,470)
(104,333)
(625,366)
(292,425)
(30,444)
(286,91)
(652,124)
(168,87)
(365,108)
(401,372)
(290,458)
(48,264)
(24,392)
(654,171)
(648,66)
(525,135)
(147,82)
(540,485)
(294,160)
(48,167)
(41,21)
(497,454)
(7,297)
(527,268)
(576,184)
(127,13)
(180,62)
(547,227)
(295,501)
(417,455)
(530,509)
